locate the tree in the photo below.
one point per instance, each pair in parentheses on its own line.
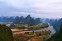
(57,36)
(5,33)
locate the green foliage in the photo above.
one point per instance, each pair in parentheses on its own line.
(38,26)
(57,36)
(5,33)
(20,26)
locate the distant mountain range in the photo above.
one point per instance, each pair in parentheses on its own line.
(31,21)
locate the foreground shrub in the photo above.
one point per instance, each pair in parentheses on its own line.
(5,33)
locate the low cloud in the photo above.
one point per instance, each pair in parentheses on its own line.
(39,8)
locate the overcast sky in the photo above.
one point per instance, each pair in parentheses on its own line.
(36,8)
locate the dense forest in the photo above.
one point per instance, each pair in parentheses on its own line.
(57,36)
